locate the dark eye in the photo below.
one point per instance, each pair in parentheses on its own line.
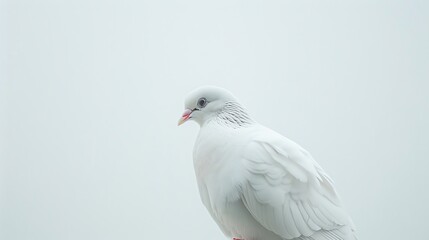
(202,102)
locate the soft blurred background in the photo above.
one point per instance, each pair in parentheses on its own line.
(91,91)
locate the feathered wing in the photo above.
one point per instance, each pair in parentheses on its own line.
(288,193)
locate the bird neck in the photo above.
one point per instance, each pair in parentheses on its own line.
(234,115)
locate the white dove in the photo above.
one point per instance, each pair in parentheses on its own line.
(257,184)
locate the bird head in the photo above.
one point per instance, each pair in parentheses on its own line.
(205,103)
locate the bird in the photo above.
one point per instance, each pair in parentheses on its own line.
(255,183)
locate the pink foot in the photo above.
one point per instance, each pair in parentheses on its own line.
(236,239)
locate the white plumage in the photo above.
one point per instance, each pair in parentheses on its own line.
(257,184)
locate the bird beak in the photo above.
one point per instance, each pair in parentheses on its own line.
(185,116)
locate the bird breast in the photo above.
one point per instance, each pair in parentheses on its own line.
(218,164)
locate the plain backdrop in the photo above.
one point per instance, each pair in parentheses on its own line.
(91,91)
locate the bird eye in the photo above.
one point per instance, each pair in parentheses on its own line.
(202,102)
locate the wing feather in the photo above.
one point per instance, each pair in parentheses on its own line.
(298,218)
(288,193)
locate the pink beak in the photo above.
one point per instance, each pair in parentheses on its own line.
(185,116)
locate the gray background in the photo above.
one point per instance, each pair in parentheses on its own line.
(91,91)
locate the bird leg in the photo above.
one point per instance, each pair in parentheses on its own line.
(237,239)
